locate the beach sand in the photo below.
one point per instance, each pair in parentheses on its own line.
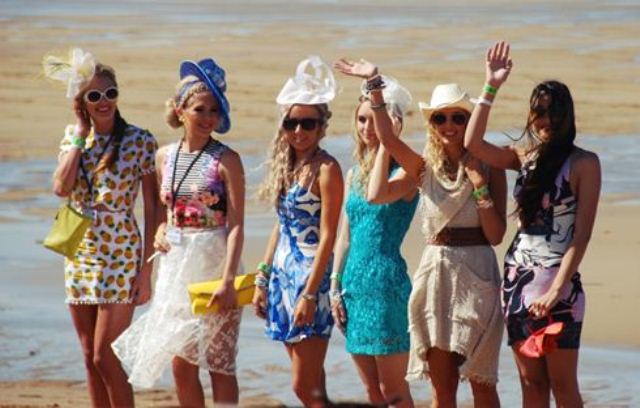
(599,61)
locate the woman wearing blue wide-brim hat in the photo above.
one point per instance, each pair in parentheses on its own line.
(200,239)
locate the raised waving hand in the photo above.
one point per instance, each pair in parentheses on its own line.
(499,64)
(361,69)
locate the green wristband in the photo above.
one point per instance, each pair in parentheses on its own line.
(480,192)
(78,142)
(264,268)
(336,276)
(490,89)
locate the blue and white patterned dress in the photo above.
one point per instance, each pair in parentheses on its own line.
(299,217)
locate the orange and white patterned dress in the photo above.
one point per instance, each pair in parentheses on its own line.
(109,256)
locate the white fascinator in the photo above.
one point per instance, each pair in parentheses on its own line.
(394,94)
(75,71)
(313,84)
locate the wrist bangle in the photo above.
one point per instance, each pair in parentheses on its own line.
(264,268)
(261,281)
(379,107)
(479,193)
(484,204)
(309,297)
(490,89)
(483,101)
(335,295)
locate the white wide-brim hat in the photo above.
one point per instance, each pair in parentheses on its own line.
(313,84)
(446,96)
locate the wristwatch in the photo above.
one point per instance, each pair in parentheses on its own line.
(310,297)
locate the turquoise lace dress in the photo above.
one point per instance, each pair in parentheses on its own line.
(375,283)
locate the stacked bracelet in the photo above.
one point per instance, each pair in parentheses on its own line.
(262,282)
(335,295)
(375,83)
(490,89)
(264,267)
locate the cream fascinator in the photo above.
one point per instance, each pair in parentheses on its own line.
(313,84)
(393,93)
(76,71)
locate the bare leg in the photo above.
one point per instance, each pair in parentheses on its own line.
(443,371)
(533,379)
(562,369)
(307,369)
(188,386)
(225,388)
(391,372)
(84,320)
(112,320)
(485,395)
(368,371)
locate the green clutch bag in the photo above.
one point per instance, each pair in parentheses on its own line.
(67,231)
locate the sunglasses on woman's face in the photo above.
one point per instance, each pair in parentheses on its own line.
(94,95)
(457,118)
(305,123)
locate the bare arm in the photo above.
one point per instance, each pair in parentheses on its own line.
(160,242)
(232,173)
(498,67)
(493,219)
(587,189)
(260,295)
(381,188)
(341,249)
(331,192)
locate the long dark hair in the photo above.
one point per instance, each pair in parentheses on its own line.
(119,126)
(550,154)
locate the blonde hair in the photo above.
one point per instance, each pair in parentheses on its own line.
(280,176)
(180,99)
(362,155)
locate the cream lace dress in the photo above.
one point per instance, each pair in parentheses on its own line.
(454,304)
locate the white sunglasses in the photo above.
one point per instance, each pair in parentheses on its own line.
(94,96)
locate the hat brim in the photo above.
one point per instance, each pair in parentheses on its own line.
(192,68)
(462,103)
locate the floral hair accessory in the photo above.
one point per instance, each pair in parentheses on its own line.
(75,71)
(313,84)
(393,93)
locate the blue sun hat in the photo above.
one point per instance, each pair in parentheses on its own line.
(212,75)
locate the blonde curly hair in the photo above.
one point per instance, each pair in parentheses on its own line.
(280,176)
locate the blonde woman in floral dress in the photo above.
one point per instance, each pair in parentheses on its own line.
(102,162)
(202,188)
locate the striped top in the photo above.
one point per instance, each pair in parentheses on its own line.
(201,196)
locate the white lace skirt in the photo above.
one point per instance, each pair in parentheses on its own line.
(168,329)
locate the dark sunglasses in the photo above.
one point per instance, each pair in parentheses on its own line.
(457,118)
(94,96)
(305,123)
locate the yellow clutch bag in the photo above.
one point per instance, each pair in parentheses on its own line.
(67,231)
(201,292)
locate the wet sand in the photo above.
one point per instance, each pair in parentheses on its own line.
(419,45)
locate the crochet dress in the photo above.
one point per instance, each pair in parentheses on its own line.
(168,329)
(533,260)
(375,283)
(455,300)
(299,217)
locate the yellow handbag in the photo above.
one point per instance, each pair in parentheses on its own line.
(67,231)
(201,292)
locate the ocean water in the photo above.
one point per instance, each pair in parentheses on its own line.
(37,339)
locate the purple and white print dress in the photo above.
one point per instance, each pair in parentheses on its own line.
(533,260)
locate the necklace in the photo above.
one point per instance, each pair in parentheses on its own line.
(297,169)
(445,181)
